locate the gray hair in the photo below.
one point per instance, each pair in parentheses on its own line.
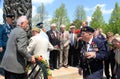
(62,26)
(21,19)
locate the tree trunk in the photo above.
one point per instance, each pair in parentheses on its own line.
(18,8)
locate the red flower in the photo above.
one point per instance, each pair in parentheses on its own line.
(40,58)
(92,43)
(77,31)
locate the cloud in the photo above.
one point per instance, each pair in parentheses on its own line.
(37,3)
(88,9)
(1,18)
(33,11)
(34,2)
(1,12)
(103,9)
(89,18)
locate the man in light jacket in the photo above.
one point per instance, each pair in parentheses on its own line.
(14,60)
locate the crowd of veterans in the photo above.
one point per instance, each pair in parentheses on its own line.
(88,49)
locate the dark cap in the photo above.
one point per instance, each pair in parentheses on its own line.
(10,15)
(39,25)
(88,29)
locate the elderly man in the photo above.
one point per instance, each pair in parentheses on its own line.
(116,44)
(64,46)
(54,39)
(92,55)
(5,30)
(16,51)
(73,58)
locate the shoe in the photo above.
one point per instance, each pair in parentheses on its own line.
(51,68)
(66,66)
(113,77)
(107,77)
(57,67)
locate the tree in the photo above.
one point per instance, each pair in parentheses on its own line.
(97,19)
(77,23)
(114,22)
(18,8)
(42,12)
(60,16)
(41,15)
(80,13)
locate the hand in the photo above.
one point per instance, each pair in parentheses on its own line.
(79,38)
(56,46)
(64,45)
(90,55)
(95,49)
(80,70)
(1,49)
(33,59)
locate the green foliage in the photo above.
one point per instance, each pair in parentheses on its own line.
(60,16)
(42,12)
(77,23)
(114,22)
(80,13)
(97,19)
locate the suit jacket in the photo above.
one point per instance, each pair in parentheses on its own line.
(39,46)
(75,40)
(64,40)
(16,51)
(3,37)
(4,34)
(54,40)
(94,64)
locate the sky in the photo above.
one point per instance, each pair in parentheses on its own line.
(107,7)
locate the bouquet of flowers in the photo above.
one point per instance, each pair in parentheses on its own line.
(41,59)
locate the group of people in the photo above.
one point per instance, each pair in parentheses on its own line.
(89,49)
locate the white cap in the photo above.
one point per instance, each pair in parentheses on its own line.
(62,25)
(53,24)
(117,38)
(72,26)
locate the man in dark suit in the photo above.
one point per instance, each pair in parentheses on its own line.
(5,30)
(13,60)
(73,57)
(54,40)
(93,53)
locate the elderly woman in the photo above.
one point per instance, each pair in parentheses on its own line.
(116,43)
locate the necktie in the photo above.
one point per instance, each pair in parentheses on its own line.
(72,39)
(54,33)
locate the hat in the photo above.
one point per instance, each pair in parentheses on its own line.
(36,29)
(10,15)
(62,25)
(109,34)
(53,24)
(72,26)
(88,29)
(117,38)
(40,25)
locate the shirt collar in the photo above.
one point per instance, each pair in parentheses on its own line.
(90,40)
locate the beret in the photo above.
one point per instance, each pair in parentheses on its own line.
(39,25)
(88,29)
(10,15)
